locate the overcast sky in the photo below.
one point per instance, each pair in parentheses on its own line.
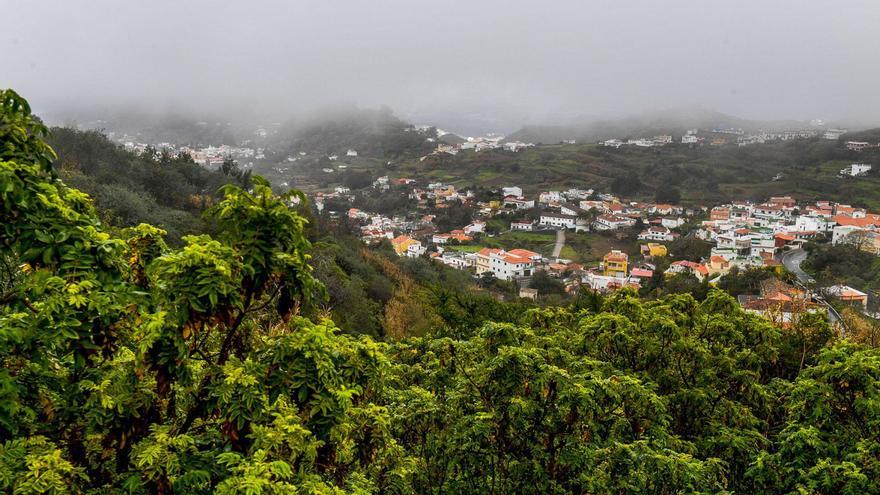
(531,61)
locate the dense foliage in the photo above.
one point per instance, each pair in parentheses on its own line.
(130,367)
(843,264)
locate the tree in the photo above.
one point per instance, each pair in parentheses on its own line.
(689,248)
(546,284)
(230,168)
(627,185)
(829,440)
(670,195)
(129,364)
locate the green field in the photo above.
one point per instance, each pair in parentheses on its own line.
(466,248)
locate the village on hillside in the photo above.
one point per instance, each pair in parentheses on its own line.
(582,238)
(742,234)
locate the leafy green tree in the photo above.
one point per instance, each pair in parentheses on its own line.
(127,365)
(830,441)
(546,284)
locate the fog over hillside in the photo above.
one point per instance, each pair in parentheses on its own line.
(472,66)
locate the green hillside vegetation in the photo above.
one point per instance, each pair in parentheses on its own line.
(128,366)
(704,175)
(868,135)
(375,133)
(843,264)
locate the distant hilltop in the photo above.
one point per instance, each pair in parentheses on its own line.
(675,121)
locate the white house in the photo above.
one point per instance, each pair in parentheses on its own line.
(613,222)
(736,241)
(508,265)
(575,193)
(515,146)
(511,191)
(689,139)
(672,222)
(807,223)
(570,209)
(656,234)
(769,212)
(558,220)
(834,134)
(519,202)
(523,225)
(381,183)
(548,197)
(458,261)
(856,169)
(762,243)
(642,142)
(477,226)
(351,153)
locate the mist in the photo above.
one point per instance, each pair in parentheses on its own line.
(486,64)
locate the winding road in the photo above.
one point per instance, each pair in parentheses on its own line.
(792,261)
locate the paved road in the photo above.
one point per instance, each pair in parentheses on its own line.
(560,242)
(792,261)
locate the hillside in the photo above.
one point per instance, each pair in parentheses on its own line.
(450,138)
(184,129)
(806,168)
(335,130)
(672,121)
(868,135)
(703,175)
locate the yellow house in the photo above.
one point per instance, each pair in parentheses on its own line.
(656,250)
(615,264)
(401,243)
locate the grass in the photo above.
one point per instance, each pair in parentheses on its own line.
(464,248)
(591,247)
(524,236)
(569,253)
